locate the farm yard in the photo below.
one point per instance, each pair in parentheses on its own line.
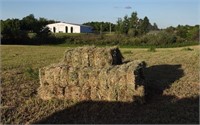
(172,75)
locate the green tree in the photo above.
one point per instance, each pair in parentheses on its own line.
(134,20)
(119,26)
(10,28)
(15,31)
(126,24)
(193,33)
(29,23)
(12,33)
(155,26)
(181,31)
(145,25)
(133,26)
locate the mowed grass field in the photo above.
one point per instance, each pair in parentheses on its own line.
(172,75)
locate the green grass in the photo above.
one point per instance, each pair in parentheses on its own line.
(171,69)
(32,73)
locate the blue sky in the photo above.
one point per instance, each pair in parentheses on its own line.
(163,12)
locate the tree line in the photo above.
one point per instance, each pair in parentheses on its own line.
(129,30)
(16,31)
(134,26)
(189,33)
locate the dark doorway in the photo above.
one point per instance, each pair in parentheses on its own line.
(54,29)
(66,29)
(71,29)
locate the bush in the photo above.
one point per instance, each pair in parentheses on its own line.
(152,49)
(161,38)
(133,41)
(166,38)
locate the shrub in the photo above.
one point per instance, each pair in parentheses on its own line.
(161,38)
(152,49)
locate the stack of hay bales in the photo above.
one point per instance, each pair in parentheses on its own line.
(91,73)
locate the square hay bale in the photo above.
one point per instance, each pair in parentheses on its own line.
(112,83)
(91,73)
(92,56)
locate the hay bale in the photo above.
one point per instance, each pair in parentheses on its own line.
(92,56)
(112,83)
(91,73)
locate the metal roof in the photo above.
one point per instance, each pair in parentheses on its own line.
(72,24)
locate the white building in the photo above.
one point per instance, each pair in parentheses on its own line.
(69,28)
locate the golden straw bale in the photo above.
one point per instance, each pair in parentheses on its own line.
(92,73)
(112,83)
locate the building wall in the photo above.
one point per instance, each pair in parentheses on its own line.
(71,28)
(61,27)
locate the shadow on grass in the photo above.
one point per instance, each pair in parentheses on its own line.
(44,40)
(160,77)
(158,109)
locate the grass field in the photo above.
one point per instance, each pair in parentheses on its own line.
(172,75)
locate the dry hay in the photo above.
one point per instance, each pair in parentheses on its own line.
(89,74)
(92,56)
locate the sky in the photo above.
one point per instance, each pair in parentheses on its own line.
(164,13)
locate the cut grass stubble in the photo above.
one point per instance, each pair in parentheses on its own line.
(177,104)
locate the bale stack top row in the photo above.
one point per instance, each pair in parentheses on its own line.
(93,57)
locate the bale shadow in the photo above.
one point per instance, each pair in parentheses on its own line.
(161,77)
(160,108)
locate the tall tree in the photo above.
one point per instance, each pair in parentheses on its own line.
(145,26)
(135,26)
(134,20)
(119,26)
(155,26)
(10,28)
(29,23)
(126,24)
